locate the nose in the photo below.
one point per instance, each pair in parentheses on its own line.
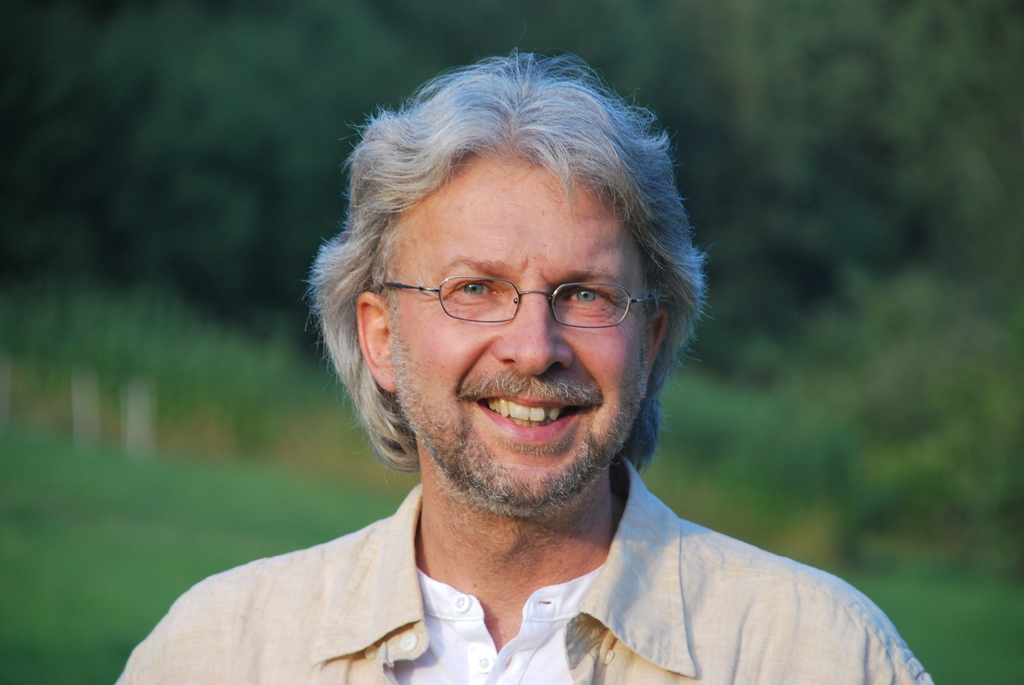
(533,341)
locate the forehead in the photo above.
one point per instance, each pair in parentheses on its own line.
(509,219)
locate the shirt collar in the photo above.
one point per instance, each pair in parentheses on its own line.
(380,592)
(638,594)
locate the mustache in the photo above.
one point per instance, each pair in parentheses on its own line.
(545,387)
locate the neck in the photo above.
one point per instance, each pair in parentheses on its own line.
(502,561)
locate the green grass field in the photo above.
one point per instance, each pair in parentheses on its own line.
(95,547)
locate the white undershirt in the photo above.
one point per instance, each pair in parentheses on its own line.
(462,651)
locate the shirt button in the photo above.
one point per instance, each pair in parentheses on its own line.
(608,657)
(461,604)
(408,642)
(370,653)
(485,664)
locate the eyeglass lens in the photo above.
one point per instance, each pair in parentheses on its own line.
(586,305)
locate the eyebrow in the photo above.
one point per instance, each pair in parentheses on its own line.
(498,269)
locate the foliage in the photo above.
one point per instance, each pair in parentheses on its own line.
(874,135)
(854,167)
(935,384)
(897,416)
(195,143)
(217,390)
(167,143)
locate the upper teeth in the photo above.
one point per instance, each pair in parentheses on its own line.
(522,412)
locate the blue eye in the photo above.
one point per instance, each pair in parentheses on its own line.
(474,289)
(585,296)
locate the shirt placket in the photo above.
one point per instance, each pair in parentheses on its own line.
(480,652)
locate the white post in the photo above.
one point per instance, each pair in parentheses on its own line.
(137,409)
(85,407)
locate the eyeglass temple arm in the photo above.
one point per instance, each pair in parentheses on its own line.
(403,286)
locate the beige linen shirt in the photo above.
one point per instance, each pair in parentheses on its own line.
(675,602)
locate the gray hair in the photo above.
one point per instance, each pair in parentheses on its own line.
(554,112)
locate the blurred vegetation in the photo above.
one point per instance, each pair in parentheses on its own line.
(895,421)
(855,169)
(219,391)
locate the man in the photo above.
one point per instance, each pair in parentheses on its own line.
(513,287)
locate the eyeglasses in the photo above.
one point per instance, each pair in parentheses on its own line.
(493,300)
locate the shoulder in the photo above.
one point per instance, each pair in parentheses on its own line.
(308,572)
(721,560)
(219,629)
(800,616)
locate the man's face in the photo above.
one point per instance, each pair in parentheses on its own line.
(515,222)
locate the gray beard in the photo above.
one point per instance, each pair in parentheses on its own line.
(469,472)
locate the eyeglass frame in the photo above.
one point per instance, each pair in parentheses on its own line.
(519,298)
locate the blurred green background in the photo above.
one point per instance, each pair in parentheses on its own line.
(168,169)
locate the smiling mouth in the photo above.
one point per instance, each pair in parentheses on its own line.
(523,415)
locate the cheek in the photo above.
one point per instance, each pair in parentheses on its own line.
(611,360)
(440,346)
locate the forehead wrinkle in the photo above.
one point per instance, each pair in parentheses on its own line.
(467,266)
(499,269)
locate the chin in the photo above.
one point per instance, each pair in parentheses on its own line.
(471,474)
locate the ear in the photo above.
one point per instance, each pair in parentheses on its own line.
(374,323)
(654,335)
